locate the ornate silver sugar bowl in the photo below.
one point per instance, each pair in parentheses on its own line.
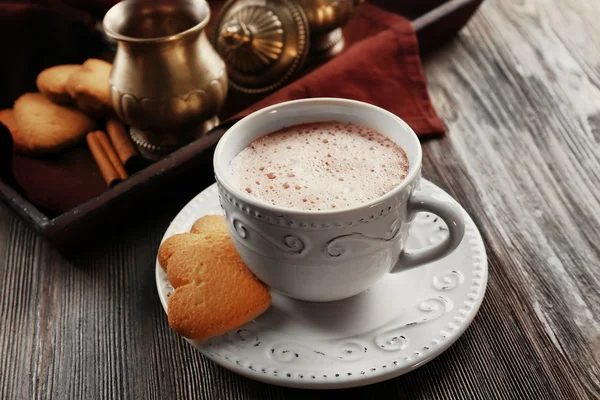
(325,20)
(266,42)
(167,80)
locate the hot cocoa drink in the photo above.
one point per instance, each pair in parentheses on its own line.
(320,166)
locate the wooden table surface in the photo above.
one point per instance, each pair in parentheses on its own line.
(519,89)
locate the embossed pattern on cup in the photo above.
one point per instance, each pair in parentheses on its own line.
(320,253)
(335,254)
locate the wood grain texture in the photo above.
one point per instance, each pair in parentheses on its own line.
(520,92)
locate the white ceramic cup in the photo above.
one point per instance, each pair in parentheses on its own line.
(335,254)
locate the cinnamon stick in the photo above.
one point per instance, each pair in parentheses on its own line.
(108,171)
(111,154)
(121,140)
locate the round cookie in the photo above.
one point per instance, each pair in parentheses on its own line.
(52,82)
(46,127)
(89,87)
(95,64)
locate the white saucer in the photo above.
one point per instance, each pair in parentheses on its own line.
(402,322)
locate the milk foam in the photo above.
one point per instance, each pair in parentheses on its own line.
(320,166)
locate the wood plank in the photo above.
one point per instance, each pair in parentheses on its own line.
(519,103)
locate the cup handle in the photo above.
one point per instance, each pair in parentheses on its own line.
(452,216)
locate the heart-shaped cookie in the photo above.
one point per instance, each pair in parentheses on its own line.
(89,87)
(215,292)
(46,127)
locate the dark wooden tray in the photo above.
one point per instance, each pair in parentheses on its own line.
(182,174)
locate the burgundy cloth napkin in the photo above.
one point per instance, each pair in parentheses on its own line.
(379,65)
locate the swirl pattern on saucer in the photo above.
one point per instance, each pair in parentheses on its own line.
(291,351)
